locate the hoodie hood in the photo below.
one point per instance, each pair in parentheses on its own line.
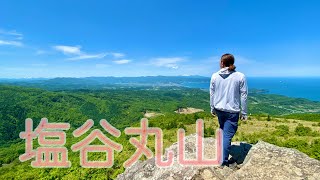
(225,73)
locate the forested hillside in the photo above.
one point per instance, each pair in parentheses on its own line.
(121,107)
(124,107)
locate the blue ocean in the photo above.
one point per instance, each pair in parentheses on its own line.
(308,88)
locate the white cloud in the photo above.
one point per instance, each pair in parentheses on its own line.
(122,61)
(11,43)
(117,55)
(77,54)
(87,56)
(12,34)
(167,62)
(68,50)
(10,38)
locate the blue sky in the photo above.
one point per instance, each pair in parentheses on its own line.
(57,38)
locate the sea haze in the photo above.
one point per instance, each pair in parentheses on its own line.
(298,87)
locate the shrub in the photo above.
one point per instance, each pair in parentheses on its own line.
(277,120)
(172,125)
(181,126)
(301,145)
(281,130)
(272,140)
(252,138)
(315,133)
(151,124)
(208,132)
(315,149)
(268,118)
(300,130)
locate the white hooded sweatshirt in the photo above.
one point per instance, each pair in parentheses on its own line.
(228,91)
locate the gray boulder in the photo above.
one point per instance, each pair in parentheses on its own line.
(259,161)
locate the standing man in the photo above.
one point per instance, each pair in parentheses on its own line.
(228,98)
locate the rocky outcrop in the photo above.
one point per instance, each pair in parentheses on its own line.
(259,161)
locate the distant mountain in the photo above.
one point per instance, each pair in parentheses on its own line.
(64,83)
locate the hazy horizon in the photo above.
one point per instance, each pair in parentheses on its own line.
(152,76)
